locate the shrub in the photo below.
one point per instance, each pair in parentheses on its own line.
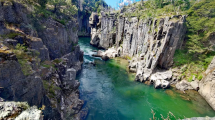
(181,57)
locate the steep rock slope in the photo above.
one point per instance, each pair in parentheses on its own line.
(151,43)
(39,66)
(207,85)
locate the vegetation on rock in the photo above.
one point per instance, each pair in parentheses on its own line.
(198,51)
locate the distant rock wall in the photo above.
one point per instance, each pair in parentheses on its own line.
(151,43)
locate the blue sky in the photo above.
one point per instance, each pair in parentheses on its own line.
(113,3)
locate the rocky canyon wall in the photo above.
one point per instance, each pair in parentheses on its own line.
(207,85)
(39,65)
(149,43)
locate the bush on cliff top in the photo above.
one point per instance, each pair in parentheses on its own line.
(159,8)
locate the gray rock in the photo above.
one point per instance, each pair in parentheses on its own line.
(10,42)
(57,37)
(153,42)
(161,75)
(105,58)
(19,111)
(161,84)
(157,84)
(207,85)
(195,85)
(183,85)
(165,84)
(12,78)
(200,118)
(30,114)
(37,44)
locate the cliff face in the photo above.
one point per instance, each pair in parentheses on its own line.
(151,43)
(39,66)
(83,23)
(58,38)
(207,85)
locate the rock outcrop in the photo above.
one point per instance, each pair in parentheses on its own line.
(200,118)
(19,111)
(39,60)
(207,85)
(151,43)
(58,38)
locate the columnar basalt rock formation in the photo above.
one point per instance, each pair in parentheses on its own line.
(151,43)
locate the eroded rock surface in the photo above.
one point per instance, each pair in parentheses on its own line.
(39,63)
(151,43)
(19,111)
(207,85)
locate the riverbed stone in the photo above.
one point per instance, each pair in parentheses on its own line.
(195,85)
(183,85)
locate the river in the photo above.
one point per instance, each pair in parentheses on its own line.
(110,93)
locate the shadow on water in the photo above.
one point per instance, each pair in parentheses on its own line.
(110,93)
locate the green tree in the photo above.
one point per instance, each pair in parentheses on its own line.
(57,4)
(43,3)
(201,19)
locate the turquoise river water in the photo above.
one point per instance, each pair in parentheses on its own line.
(110,93)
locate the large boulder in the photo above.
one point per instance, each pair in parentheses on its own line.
(195,85)
(183,85)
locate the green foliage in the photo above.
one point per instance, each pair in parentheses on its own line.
(50,88)
(127,57)
(159,8)
(42,3)
(24,58)
(57,61)
(200,77)
(11,35)
(23,105)
(60,21)
(182,57)
(201,25)
(56,4)
(190,78)
(195,64)
(199,52)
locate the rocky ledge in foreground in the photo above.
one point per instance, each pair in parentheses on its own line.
(200,118)
(19,111)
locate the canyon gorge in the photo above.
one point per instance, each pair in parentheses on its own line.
(80,59)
